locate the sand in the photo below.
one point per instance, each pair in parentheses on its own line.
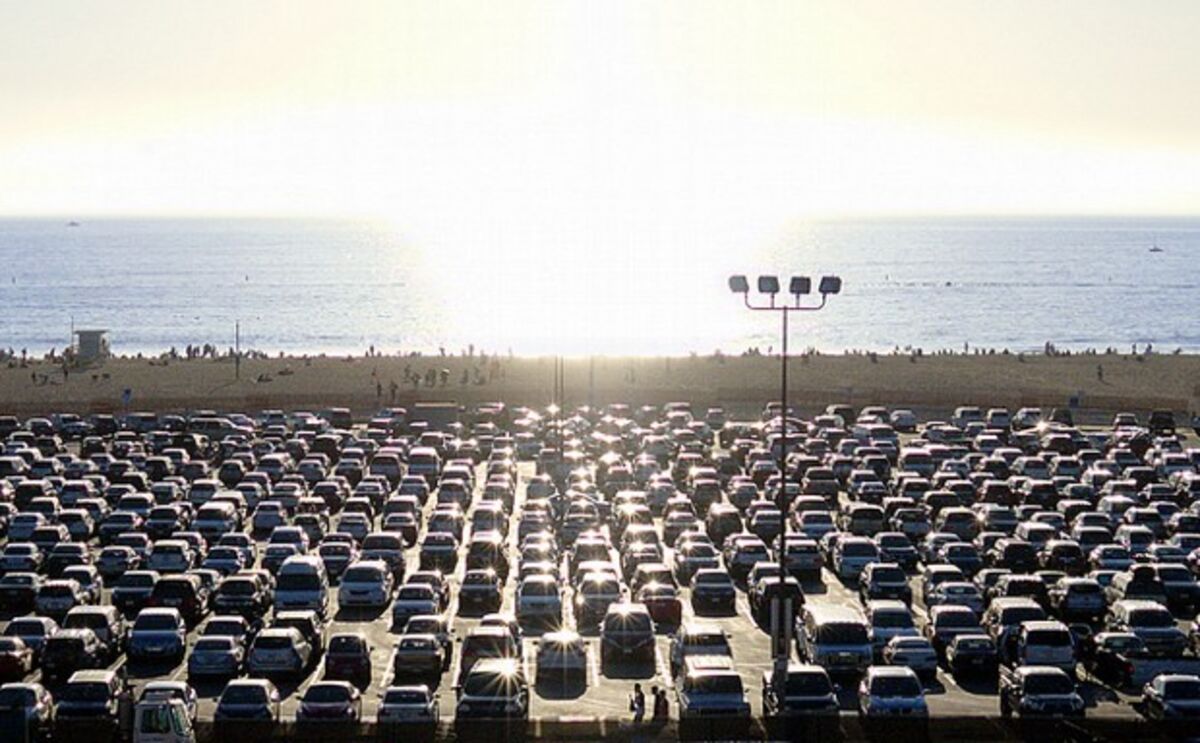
(929,384)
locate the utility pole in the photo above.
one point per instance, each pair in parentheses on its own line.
(237,352)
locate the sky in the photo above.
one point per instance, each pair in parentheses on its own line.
(625,123)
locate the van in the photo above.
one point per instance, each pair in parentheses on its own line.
(425,462)
(302,583)
(835,638)
(1044,643)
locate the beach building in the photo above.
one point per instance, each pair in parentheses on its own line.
(91,345)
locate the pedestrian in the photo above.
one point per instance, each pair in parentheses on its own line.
(662,708)
(378,390)
(1100,372)
(637,703)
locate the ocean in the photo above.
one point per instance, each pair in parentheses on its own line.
(313,286)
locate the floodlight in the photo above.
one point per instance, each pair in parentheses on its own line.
(738,284)
(800,285)
(831,284)
(768,284)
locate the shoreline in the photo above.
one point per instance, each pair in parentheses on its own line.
(1100,384)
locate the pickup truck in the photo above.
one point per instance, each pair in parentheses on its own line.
(1038,691)
(1121,660)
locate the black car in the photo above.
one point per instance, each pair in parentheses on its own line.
(972,654)
(713,590)
(480,591)
(133,590)
(627,631)
(767,589)
(18,590)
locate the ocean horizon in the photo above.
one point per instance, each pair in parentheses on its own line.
(343,286)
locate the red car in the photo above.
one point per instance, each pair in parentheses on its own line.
(348,657)
(663,603)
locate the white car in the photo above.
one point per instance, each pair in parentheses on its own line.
(561,654)
(366,583)
(912,652)
(891,691)
(408,704)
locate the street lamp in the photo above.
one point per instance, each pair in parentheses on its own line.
(798,287)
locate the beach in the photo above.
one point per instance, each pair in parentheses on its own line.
(1098,385)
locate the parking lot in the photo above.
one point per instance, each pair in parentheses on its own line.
(604,692)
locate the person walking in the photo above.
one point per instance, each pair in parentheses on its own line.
(637,703)
(662,708)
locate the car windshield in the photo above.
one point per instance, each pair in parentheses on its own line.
(807,684)
(628,623)
(892,619)
(1051,638)
(322,694)
(85,693)
(490,685)
(212,645)
(1175,574)
(155,622)
(1049,684)
(404,697)
(344,644)
(1151,618)
(715,683)
(860,549)
(417,625)
(243,695)
(10,698)
(1183,689)
(896,686)
(361,575)
(273,643)
(842,633)
(239,587)
(956,619)
(889,575)
(224,627)
(299,582)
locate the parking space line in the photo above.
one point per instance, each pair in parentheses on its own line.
(593,665)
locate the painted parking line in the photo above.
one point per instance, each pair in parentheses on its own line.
(593,664)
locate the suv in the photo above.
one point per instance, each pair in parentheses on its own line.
(1151,622)
(91,695)
(627,630)
(710,687)
(834,638)
(697,639)
(493,688)
(805,690)
(1038,691)
(884,580)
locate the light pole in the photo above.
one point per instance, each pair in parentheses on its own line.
(798,287)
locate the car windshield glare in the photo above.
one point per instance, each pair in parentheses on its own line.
(896,687)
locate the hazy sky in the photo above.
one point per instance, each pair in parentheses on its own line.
(461,119)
